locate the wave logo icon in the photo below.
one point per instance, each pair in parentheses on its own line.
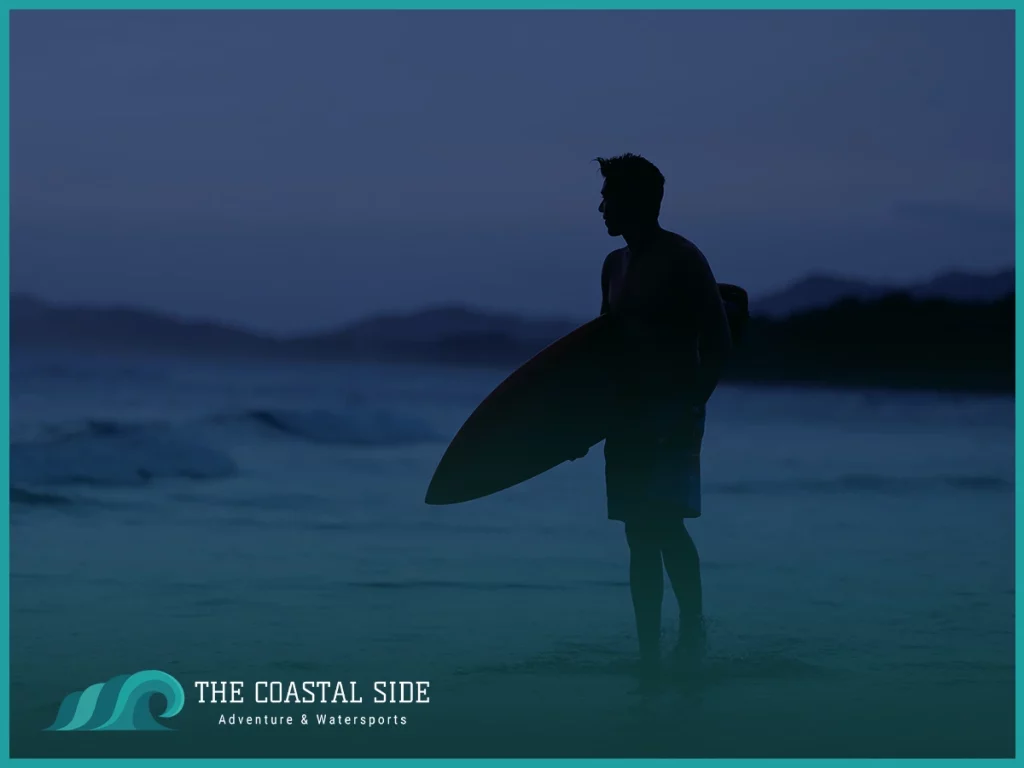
(121,704)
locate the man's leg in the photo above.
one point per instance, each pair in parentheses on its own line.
(683,566)
(647,585)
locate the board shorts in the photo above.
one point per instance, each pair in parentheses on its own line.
(652,466)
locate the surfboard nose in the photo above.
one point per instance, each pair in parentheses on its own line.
(445,487)
(433,498)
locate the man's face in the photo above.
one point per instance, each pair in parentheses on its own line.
(614,210)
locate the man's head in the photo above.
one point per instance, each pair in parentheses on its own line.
(631,195)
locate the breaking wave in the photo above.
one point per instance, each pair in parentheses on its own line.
(115,454)
(364,427)
(23,497)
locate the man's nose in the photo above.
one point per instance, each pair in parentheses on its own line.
(600,208)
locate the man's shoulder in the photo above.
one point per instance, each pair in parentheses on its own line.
(613,258)
(681,246)
(682,255)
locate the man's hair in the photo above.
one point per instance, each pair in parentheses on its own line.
(634,176)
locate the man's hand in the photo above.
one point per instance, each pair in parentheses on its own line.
(579,453)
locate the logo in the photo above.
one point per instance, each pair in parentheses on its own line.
(121,704)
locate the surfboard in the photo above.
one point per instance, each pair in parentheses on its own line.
(545,413)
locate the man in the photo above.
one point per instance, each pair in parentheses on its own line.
(674,337)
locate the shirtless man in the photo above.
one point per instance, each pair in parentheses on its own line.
(674,339)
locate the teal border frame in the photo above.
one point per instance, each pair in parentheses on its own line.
(9,7)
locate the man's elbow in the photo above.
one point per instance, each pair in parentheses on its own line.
(725,343)
(716,348)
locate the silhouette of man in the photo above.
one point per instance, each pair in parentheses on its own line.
(673,339)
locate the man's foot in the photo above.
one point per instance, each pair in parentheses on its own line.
(649,676)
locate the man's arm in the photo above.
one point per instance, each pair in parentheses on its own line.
(605,282)
(715,340)
(604,288)
(584,450)
(694,327)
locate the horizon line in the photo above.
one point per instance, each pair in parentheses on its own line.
(450,306)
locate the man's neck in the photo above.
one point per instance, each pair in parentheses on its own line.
(642,239)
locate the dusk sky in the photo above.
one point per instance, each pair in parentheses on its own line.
(292,171)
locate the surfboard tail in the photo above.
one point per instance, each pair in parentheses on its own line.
(737,309)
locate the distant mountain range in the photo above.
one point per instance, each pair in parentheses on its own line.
(818,291)
(960,317)
(444,334)
(38,323)
(441,334)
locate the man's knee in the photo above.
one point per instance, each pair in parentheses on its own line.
(663,534)
(649,531)
(678,546)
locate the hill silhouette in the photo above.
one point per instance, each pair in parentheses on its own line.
(818,291)
(895,339)
(35,323)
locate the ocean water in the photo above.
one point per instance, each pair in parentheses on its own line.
(259,523)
